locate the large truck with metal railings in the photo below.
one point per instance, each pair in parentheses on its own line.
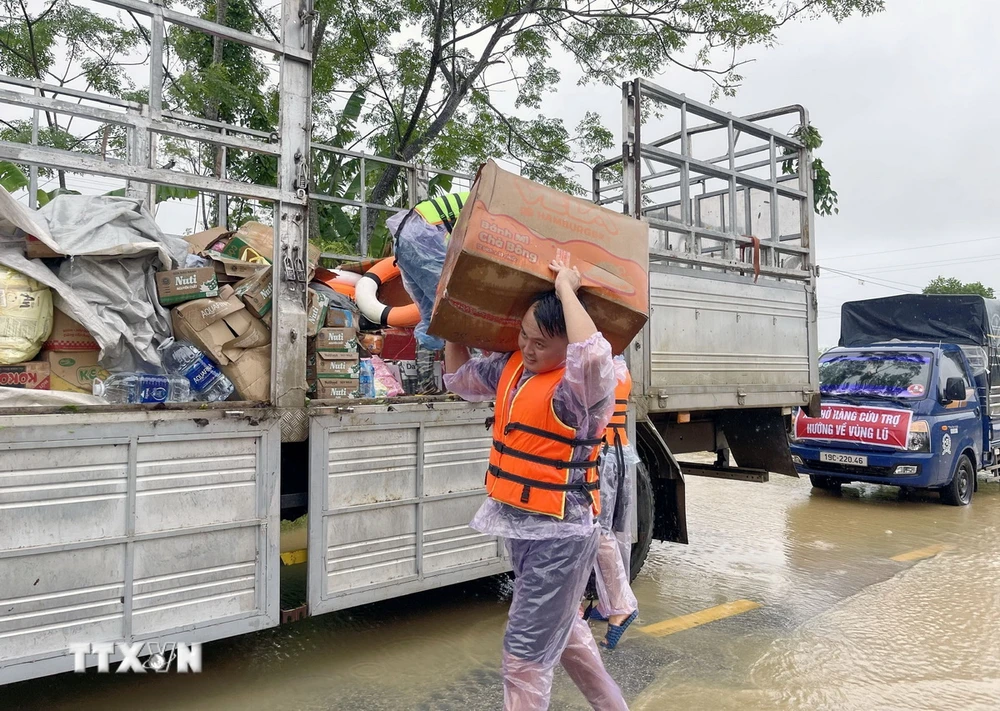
(128,524)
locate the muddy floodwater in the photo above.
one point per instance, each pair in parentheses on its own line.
(786,598)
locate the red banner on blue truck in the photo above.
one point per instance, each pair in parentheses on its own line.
(880,426)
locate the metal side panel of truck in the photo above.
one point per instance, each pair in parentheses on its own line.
(134,526)
(391,493)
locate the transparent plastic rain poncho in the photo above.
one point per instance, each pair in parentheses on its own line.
(552,559)
(614,593)
(420,249)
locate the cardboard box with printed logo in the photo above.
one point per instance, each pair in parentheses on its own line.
(337,388)
(180,285)
(33,375)
(342,342)
(335,365)
(73,372)
(498,260)
(256,293)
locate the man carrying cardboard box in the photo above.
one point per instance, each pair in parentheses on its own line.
(554,398)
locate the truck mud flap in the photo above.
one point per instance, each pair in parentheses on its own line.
(758,439)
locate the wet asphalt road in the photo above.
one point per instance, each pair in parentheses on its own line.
(786,598)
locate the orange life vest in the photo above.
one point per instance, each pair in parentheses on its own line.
(617,434)
(531,459)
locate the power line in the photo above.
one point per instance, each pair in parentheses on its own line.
(909,249)
(945,263)
(885,283)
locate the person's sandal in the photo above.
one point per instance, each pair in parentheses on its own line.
(591,613)
(615,632)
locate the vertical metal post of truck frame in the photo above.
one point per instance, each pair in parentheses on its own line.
(730,225)
(291,224)
(33,169)
(806,217)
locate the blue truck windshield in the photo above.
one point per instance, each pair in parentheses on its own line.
(876,374)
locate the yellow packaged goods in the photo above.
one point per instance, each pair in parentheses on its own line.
(68,335)
(254,242)
(73,372)
(25,316)
(223,329)
(498,259)
(28,376)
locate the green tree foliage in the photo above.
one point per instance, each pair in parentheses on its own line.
(951,285)
(446,82)
(440,92)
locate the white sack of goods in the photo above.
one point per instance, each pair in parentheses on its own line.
(25,316)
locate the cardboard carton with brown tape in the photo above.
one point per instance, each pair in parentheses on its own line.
(498,259)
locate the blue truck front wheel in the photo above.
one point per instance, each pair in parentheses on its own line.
(959,491)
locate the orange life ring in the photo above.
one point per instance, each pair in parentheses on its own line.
(366,296)
(336,281)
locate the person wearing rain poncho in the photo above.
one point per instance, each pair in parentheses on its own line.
(616,603)
(554,398)
(421,240)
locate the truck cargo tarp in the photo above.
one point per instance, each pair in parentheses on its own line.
(109,284)
(945,318)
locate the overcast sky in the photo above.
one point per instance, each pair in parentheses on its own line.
(908,105)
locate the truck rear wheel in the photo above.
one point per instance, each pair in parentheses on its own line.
(963,483)
(644,503)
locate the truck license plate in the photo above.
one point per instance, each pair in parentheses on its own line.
(857,460)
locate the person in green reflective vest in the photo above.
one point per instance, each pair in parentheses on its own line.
(421,237)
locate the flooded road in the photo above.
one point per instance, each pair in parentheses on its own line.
(786,598)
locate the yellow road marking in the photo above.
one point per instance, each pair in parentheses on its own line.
(293,557)
(921,553)
(696,619)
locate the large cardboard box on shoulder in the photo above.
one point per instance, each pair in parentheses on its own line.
(231,336)
(498,259)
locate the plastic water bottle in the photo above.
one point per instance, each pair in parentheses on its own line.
(366,378)
(207,381)
(138,388)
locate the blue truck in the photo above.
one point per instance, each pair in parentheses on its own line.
(908,397)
